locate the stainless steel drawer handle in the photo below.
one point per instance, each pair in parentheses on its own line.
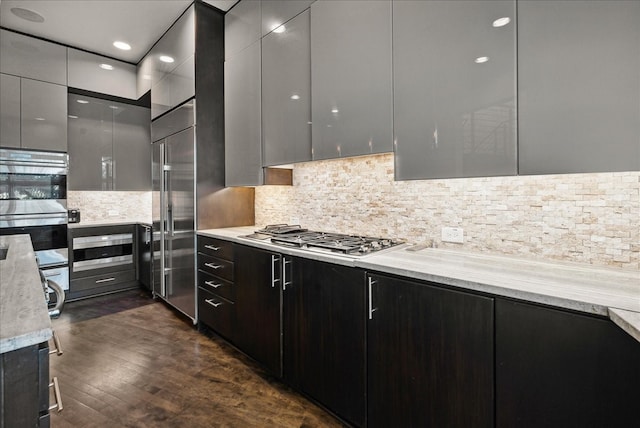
(213,284)
(56,393)
(212,266)
(211,247)
(56,342)
(98,281)
(212,303)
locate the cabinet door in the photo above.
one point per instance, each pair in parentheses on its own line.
(277,12)
(454,89)
(182,82)
(175,46)
(241,27)
(286,94)
(144,255)
(430,356)
(9,111)
(43,115)
(99,74)
(243,157)
(351,87)
(131,147)
(32,58)
(324,335)
(258,293)
(90,144)
(578,86)
(558,369)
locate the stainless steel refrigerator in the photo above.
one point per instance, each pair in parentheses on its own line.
(174,208)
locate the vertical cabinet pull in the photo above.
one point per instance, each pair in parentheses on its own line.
(57,395)
(371,308)
(56,342)
(274,265)
(285,262)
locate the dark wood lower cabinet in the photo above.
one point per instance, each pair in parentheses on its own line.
(430,356)
(24,387)
(258,301)
(561,369)
(324,335)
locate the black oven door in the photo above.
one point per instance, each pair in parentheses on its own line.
(49,237)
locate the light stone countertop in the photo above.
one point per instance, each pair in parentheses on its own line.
(629,321)
(609,292)
(24,316)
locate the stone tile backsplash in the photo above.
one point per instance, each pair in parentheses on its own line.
(587,218)
(111,206)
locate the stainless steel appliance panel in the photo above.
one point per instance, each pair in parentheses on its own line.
(173,212)
(179,255)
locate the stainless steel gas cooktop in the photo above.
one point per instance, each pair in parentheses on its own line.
(298,237)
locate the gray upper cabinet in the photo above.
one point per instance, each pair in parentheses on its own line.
(454,89)
(286,93)
(43,115)
(351,87)
(578,86)
(90,144)
(169,68)
(242,25)
(33,58)
(109,145)
(131,147)
(9,111)
(243,155)
(99,74)
(277,12)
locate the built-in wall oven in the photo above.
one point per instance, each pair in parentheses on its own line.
(33,201)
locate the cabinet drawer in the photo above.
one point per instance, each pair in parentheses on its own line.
(216,312)
(43,377)
(215,266)
(215,247)
(104,280)
(221,287)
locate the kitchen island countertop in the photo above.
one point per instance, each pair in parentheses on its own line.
(609,292)
(24,317)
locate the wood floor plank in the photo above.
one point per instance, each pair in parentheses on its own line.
(130,361)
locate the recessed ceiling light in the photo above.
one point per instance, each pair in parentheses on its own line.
(122,45)
(279,29)
(166,58)
(27,15)
(481,59)
(106,66)
(501,22)
(295,97)
(82,101)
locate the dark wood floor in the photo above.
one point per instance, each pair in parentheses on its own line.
(130,361)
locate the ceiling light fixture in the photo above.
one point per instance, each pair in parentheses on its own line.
(166,58)
(481,59)
(501,22)
(106,66)
(122,45)
(27,15)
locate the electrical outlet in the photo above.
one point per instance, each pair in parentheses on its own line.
(294,220)
(114,213)
(453,234)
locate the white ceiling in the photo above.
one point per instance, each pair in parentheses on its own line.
(94,25)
